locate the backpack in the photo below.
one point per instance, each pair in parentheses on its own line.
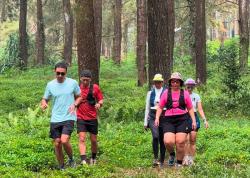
(169,104)
(90,97)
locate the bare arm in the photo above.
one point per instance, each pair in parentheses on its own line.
(201,112)
(191,113)
(99,104)
(157,117)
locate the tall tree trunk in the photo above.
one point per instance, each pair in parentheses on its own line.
(244,33)
(125,39)
(200,41)
(117,32)
(141,42)
(68,31)
(23,52)
(159,44)
(86,44)
(98,28)
(40,36)
(3,12)
(170,44)
(191,28)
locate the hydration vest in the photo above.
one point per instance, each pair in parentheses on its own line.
(152,96)
(169,104)
(90,97)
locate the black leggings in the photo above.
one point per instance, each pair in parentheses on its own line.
(157,138)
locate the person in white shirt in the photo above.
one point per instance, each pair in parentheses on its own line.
(152,101)
(190,147)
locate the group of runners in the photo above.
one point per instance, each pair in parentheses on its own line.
(171,115)
(71,103)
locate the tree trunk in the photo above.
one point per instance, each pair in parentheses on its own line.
(23,52)
(117,32)
(68,31)
(125,39)
(191,29)
(86,44)
(3,12)
(244,33)
(40,36)
(170,44)
(141,42)
(98,28)
(160,17)
(200,41)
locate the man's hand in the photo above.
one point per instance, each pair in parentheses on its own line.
(72,108)
(44,104)
(97,106)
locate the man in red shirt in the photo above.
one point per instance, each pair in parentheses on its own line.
(91,101)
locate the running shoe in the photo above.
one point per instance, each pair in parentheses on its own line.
(171,160)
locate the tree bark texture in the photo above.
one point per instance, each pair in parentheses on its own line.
(141,42)
(117,32)
(68,31)
(98,28)
(125,39)
(86,39)
(244,33)
(160,17)
(191,32)
(23,51)
(40,36)
(200,41)
(3,11)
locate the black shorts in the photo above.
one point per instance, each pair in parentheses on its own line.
(175,124)
(90,126)
(59,128)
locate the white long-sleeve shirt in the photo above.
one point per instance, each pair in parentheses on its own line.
(157,100)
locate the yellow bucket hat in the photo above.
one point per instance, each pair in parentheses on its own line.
(158,77)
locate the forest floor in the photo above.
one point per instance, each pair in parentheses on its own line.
(125,150)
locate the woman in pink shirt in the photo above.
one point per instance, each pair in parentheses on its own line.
(175,124)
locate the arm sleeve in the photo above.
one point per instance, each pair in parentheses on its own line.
(198,98)
(147,108)
(47,93)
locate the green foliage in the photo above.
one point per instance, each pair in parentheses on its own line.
(212,50)
(11,52)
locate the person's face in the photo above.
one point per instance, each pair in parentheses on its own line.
(85,81)
(190,88)
(175,83)
(60,74)
(158,84)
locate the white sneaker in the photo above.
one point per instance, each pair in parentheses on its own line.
(190,160)
(92,161)
(83,162)
(185,161)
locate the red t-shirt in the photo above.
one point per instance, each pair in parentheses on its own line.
(86,111)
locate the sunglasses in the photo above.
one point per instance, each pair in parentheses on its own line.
(60,73)
(175,81)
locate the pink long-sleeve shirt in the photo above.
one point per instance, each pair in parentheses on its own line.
(175,98)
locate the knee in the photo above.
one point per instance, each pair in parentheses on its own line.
(57,143)
(82,139)
(64,141)
(180,143)
(168,142)
(192,141)
(94,141)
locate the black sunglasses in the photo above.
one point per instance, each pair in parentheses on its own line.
(60,73)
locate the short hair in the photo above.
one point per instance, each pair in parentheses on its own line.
(61,65)
(86,73)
